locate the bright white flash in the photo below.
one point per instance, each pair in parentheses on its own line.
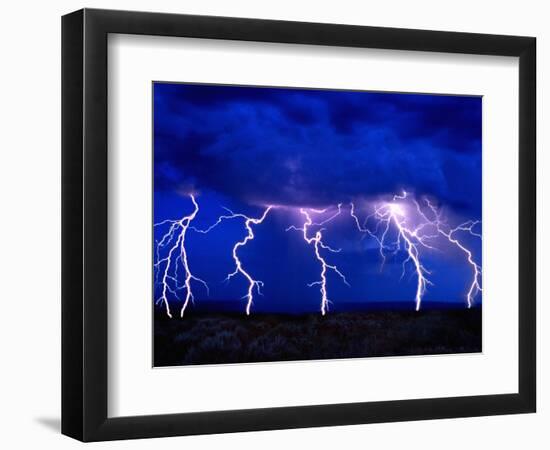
(396,209)
(177,253)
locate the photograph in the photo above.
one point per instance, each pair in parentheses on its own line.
(294,224)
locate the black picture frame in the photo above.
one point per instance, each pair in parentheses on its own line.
(84,224)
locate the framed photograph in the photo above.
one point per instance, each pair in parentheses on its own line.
(273,224)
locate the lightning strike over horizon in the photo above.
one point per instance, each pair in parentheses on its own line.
(248,221)
(467,227)
(252,283)
(177,228)
(401,224)
(317,241)
(408,239)
(395,214)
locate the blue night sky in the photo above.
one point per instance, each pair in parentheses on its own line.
(248,147)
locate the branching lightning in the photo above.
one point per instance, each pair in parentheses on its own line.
(317,241)
(239,268)
(252,283)
(407,238)
(175,239)
(402,224)
(412,239)
(449,233)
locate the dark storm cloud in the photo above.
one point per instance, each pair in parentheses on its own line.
(314,147)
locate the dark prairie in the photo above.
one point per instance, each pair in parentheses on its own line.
(206,338)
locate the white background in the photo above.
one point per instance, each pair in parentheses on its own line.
(135,389)
(30,177)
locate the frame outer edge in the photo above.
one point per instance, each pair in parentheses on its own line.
(95,228)
(527,294)
(72,321)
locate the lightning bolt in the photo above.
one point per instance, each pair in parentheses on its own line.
(412,239)
(449,234)
(408,239)
(175,239)
(355,218)
(252,283)
(248,222)
(317,241)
